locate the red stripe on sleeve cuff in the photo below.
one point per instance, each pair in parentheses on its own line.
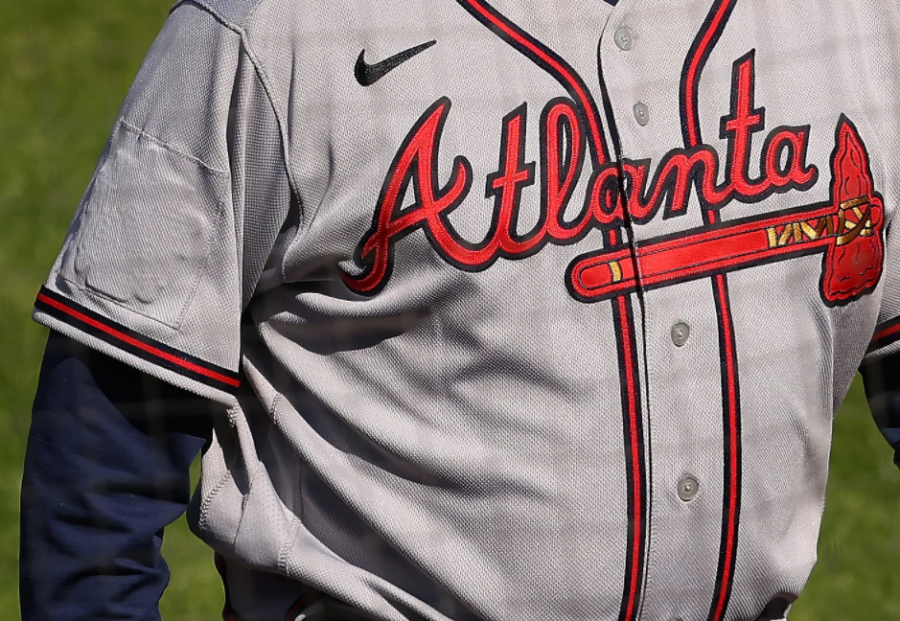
(128,340)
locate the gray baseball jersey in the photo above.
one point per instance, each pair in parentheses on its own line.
(521,309)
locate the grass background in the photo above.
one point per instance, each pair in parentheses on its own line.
(65,66)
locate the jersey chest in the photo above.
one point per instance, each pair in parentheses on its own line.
(654,151)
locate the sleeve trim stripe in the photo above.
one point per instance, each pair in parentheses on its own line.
(121,337)
(885,334)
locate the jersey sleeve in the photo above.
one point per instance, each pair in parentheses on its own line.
(186,202)
(880,368)
(886,337)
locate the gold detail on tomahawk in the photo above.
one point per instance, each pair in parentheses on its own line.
(616,271)
(837,226)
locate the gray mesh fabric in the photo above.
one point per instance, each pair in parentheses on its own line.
(434,413)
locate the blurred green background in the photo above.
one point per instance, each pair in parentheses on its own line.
(65,66)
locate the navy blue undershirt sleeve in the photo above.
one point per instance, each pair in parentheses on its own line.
(107,468)
(881,379)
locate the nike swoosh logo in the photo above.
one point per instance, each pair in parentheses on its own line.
(367,74)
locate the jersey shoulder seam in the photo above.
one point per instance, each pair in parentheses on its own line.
(279,120)
(240,28)
(233,14)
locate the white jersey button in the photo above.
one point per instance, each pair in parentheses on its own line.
(641,113)
(688,488)
(681,332)
(624,38)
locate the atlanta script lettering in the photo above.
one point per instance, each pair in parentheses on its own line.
(616,191)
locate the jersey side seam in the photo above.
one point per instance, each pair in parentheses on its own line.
(296,513)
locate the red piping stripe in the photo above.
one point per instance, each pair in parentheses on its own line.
(521,39)
(733,449)
(184,364)
(611,237)
(690,94)
(712,30)
(636,465)
(886,332)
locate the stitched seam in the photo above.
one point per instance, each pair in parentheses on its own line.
(249,18)
(296,505)
(203,522)
(285,151)
(203,6)
(204,505)
(195,160)
(95,293)
(231,25)
(264,80)
(189,302)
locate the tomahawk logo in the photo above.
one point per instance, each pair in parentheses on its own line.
(847,230)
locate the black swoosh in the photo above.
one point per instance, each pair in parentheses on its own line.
(367,74)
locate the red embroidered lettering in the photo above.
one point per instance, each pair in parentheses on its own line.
(415,163)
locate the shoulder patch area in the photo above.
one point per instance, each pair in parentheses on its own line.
(234,13)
